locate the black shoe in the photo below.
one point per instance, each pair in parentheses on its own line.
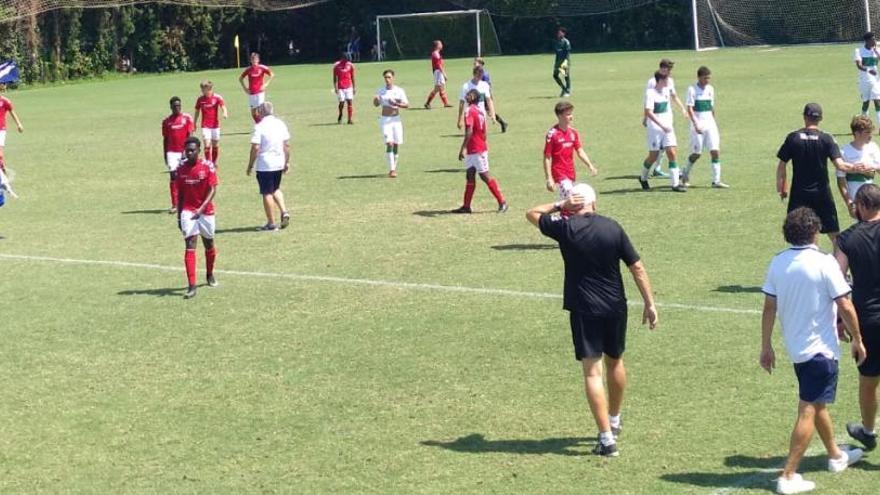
(463,209)
(212,282)
(502,207)
(679,189)
(503,127)
(285,220)
(606,450)
(350,122)
(190,292)
(857,431)
(644,184)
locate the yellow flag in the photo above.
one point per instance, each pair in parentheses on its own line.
(236,41)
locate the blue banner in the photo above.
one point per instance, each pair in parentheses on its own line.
(8,72)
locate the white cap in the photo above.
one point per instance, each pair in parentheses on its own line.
(584,191)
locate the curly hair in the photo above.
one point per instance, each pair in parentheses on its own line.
(801,226)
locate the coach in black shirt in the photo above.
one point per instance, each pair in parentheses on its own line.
(809,150)
(592,248)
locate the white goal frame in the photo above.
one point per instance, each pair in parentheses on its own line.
(474,12)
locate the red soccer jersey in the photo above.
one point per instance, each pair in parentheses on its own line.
(475,120)
(210,108)
(5,106)
(175,130)
(436,61)
(194,183)
(560,147)
(255,75)
(344,72)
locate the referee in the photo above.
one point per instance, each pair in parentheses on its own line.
(592,248)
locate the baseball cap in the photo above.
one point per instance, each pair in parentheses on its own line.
(665,62)
(584,191)
(813,111)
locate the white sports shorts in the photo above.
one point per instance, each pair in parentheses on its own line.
(203,225)
(708,140)
(256,100)
(439,80)
(345,94)
(3,138)
(392,129)
(657,139)
(172,160)
(869,90)
(563,189)
(478,161)
(209,134)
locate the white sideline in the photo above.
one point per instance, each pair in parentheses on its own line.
(360,281)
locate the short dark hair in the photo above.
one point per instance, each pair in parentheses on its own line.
(868,36)
(173,100)
(562,30)
(478,69)
(869,197)
(387,71)
(703,71)
(562,107)
(472,96)
(192,139)
(801,226)
(659,76)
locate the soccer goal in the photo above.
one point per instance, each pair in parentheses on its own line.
(720,23)
(465,33)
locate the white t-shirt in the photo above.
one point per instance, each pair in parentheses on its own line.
(670,84)
(805,282)
(270,133)
(389,96)
(658,102)
(703,101)
(868,58)
(482,86)
(868,155)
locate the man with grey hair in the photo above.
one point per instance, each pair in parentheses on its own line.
(270,151)
(592,248)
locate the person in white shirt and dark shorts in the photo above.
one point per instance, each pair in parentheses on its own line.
(270,152)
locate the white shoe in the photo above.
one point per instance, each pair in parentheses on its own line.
(850,457)
(795,484)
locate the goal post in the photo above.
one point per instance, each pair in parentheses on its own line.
(465,33)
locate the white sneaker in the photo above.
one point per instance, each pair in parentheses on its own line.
(850,456)
(795,484)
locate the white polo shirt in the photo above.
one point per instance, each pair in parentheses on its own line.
(805,282)
(270,134)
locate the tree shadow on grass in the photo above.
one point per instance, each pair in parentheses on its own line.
(365,176)
(524,247)
(476,443)
(169,291)
(145,212)
(737,289)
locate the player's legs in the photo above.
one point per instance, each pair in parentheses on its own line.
(470,186)
(339,109)
(594,387)
(172,161)
(800,438)
(482,168)
(616,379)
(210,257)
(556,71)
(868,400)
(647,164)
(876,109)
(715,156)
(349,101)
(670,146)
(442,91)
(278,198)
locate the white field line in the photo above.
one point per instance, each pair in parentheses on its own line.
(359,281)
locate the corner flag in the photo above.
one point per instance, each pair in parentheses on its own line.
(8,72)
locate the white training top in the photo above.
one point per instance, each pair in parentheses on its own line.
(389,97)
(805,282)
(658,102)
(868,155)
(482,86)
(270,133)
(703,101)
(868,58)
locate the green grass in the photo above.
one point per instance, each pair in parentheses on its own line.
(114,384)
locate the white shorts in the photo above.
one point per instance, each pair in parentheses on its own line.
(563,188)
(256,100)
(204,225)
(869,90)
(439,80)
(209,134)
(708,140)
(657,139)
(3,138)
(345,94)
(478,161)
(392,129)
(172,160)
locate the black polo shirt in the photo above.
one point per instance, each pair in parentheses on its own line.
(592,248)
(861,245)
(809,151)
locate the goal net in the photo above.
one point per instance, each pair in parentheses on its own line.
(551,8)
(465,33)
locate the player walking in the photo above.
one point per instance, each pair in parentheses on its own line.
(562,64)
(486,103)
(661,133)
(703,128)
(479,62)
(391,98)
(176,128)
(6,107)
(257,84)
(861,150)
(665,67)
(865,58)
(197,185)
(208,106)
(344,86)
(562,142)
(475,153)
(439,76)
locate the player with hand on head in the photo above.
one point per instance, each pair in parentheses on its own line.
(479,62)
(391,98)
(475,153)
(862,151)
(703,128)
(344,86)
(865,58)
(6,107)
(440,78)
(560,146)
(259,77)
(660,132)
(208,106)
(197,185)
(486,103)
(176,128)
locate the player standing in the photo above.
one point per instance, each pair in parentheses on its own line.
(562,64)
(197,185)
(475,153)
(257,83)
(703,128)
(861,150)
(176,128)
(661,133)
(440,78)
(865,58)
(391,98)
(207,107)
(562,142)
(486,103)
(665,67)
(479,62)
(6,107)
(344,86)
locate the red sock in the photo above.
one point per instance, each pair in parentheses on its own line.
(208,154)
(493,187)
(215,154)
(430,98)
(189,261)
(210,256)
(469,188)
(443,97)
(172,186)
(350,111)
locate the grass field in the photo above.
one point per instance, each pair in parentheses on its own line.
(302,373)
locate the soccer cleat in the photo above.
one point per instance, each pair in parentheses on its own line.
(212,282)
(447,106)
(857,431)
(502,207)
(562,94)
(566,94)
(190,292)
(644,184)
(392,174)
(350,122)
(659,173)
(285,220)
(679,188)
(503,127)
(795,484)
(462,209)
(427,106)
(269,227)
(850,456)
(339,121)
(720,185)
(685,178)
(172,210)
(606,450)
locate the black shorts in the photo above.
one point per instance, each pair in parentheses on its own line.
(817,379)
(594,336)
(871,339)
(820,202)
(269,181)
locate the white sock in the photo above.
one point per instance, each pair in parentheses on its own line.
(606,438)
(716,172)
(675,176)
(392,163)
(615,421)
(396,160)
(869,432)
(658,164)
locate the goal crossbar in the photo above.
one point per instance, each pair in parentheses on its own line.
(476,13)
(427,14)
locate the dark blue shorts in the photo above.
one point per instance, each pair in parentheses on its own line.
(817,379)
(269,181)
